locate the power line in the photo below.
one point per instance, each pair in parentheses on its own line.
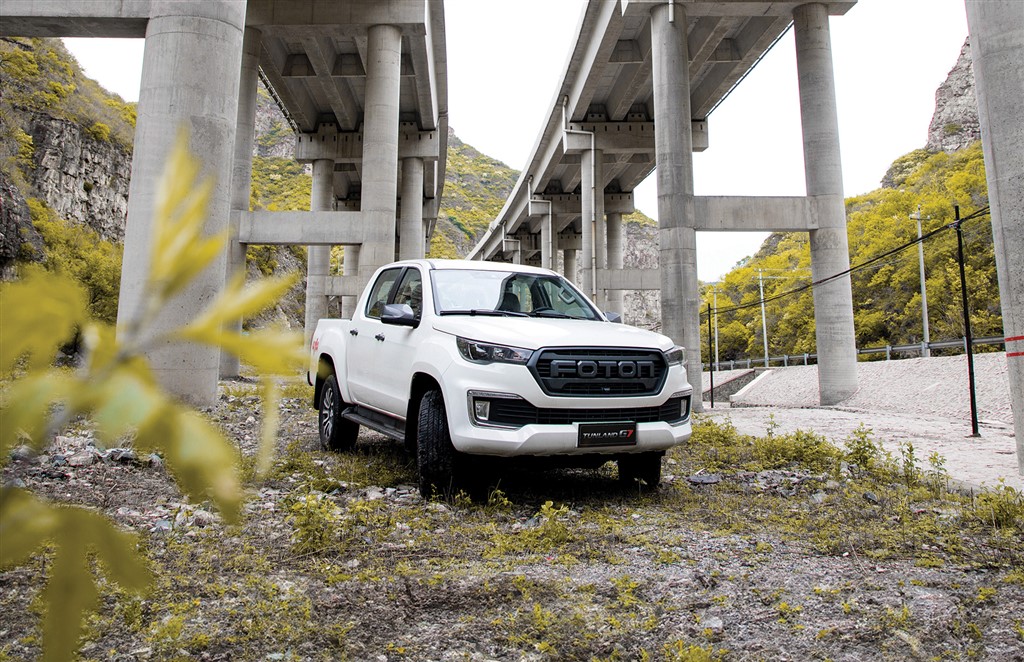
(863,265)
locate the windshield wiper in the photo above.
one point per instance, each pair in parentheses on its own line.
(552,313)
(485,312)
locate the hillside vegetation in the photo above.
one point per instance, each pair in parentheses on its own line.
(886,296)
(40,76)
(475,189)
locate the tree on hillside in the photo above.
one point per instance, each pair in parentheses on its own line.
(886,295)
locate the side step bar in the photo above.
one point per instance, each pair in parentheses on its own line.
(386,425)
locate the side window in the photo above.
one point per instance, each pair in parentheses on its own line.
(565,301)
(380,293)
(410,291)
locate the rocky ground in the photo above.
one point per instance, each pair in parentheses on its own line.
(776,547)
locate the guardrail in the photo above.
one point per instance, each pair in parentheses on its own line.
(812,359)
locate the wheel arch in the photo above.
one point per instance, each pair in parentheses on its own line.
(324,368)
(421,383)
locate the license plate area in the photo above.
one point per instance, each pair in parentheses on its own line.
(596,435)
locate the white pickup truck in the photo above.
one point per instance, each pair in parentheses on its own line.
(462,358)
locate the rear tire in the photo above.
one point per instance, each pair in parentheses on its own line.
(336,432)
(435,455)
(640,470)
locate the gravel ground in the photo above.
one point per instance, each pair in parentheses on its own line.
(923,401)
(338,557)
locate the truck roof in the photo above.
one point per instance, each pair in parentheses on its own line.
(478,265)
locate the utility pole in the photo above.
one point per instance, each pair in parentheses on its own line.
(968,339)
(711,372)
(925,351)
(714,290)
(764,322)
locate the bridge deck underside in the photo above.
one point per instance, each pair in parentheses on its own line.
(608,86)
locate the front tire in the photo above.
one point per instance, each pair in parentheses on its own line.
(336,433)
(641,470)
(435,455)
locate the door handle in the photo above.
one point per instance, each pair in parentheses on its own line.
(353,332)
(380,337)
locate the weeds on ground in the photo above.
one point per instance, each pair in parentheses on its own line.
(865,501)
(330,560)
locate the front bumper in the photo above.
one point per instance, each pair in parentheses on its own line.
(472,436)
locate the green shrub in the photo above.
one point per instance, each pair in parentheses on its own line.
(79,252)
(99,131)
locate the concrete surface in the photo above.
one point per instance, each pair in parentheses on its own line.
(997,39)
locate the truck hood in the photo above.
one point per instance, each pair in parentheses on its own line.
(534,333)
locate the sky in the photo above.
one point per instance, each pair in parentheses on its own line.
(506,60)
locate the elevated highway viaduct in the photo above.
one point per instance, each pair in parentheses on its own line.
(636,98)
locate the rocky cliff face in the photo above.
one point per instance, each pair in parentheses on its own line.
(83,179)
(274,138)
(955,122)
(15,226)
(642,246)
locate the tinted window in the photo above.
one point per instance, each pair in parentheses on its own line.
(410,291)
(381,291)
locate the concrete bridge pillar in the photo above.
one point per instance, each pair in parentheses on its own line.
(569,264)
(553,245)
(600,228)
(547,239)
(680,305)
(830,253)
(241,174)
(997,45)
(588,216)
(190,79)
(349,267)
(318,258)
(380,147)
(615,260)
(412,233)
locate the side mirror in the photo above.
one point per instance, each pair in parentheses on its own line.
(613,317)
(399,314)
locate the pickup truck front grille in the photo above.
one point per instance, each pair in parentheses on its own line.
(517,413)
(601,372)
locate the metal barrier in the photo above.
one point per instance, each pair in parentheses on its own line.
(810,359)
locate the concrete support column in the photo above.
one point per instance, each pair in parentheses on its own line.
(830,254)
(615,260)
(587,216)
(554,243)
(569,264)
(190,78)
(997,49)
(600,227)
(350,267)
(241,174)
(547,240)
(318,258)
(673,144)
(412,233)
(380,147)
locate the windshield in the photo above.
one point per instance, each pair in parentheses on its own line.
(472,292)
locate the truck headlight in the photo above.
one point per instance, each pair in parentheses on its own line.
(676,356)
(479,352)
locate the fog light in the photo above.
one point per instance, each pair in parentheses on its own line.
(482,409)
(684,405)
